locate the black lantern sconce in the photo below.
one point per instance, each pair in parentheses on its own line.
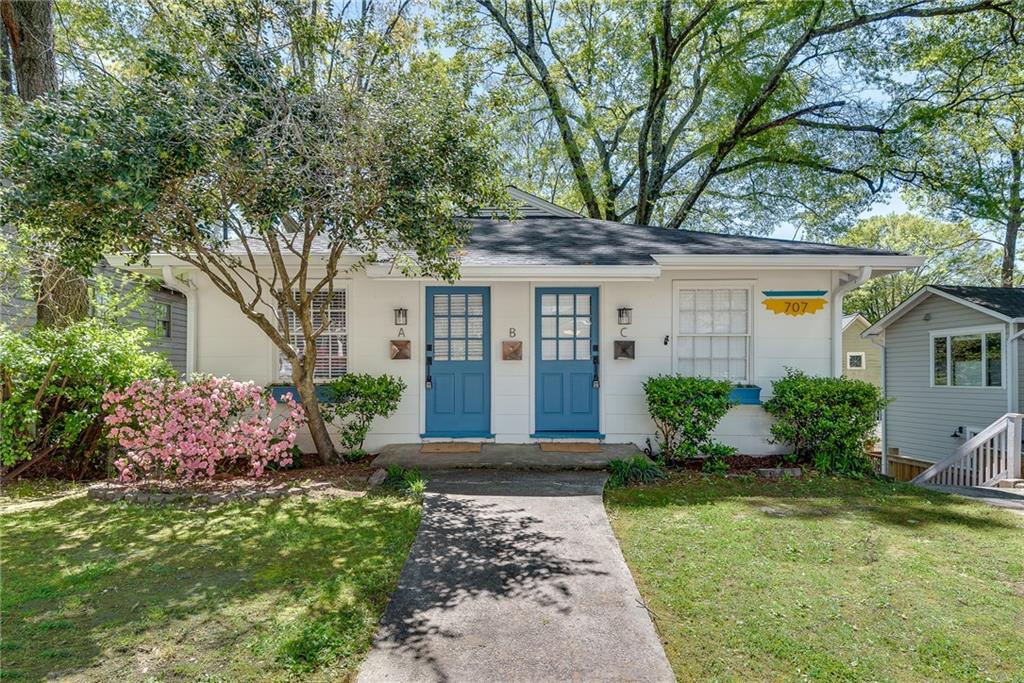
(401,317)
(625,316)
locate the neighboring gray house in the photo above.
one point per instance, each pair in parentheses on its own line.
(952,367)
(166,316)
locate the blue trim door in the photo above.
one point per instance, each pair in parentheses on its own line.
(567,379)
(458,379)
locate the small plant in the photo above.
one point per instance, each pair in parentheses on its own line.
(714,458)
(354,401)
(635,470)
(409,482)
(685,411)
(829,421)
(789,460)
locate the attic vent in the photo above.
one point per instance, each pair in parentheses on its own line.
(894,451)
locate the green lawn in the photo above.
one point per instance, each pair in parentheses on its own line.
(826,579)
(241,591)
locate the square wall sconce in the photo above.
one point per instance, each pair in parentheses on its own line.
(401,316)
(625,316)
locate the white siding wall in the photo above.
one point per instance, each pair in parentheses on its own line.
(921,418)
(230,344)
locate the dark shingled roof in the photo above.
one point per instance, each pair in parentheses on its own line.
(1008,301)
(554,240)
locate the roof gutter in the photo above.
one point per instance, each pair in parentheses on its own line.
(189,289)
(838,293)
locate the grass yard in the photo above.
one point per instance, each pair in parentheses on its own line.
(826,579)
(241,591)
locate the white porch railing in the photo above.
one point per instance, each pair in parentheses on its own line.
(986,458)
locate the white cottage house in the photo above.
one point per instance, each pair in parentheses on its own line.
(557,321)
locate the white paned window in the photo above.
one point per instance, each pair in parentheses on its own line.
(332,344)
(713,333)
(855,360)
(968,359)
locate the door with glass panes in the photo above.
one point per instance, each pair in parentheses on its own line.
(567,381)
(458,377)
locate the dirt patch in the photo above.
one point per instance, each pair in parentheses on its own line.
(317,481)
(737,463)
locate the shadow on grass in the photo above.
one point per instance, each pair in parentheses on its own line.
(120,577)
(889,503)
(469,548)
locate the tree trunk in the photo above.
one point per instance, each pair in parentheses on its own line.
(314,417)
(6,74)
(1013,220)
(28,29)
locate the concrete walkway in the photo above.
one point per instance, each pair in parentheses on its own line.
(1007,499)
(527,456)
(515,576)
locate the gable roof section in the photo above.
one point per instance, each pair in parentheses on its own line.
(854,317)
(588,241)
(1003,303)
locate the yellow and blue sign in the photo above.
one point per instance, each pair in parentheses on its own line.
(795,302)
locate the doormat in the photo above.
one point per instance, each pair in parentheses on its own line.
(555,447)
(450,448)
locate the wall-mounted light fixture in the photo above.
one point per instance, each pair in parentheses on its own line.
(625,316)
(401,316)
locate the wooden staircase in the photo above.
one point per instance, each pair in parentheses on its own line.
(987,459)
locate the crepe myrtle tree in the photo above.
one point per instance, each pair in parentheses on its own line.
(270,186)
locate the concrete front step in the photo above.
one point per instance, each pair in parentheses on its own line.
(1011,484)
(527,456)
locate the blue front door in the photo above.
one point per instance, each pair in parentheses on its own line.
(458,382)
(567,361)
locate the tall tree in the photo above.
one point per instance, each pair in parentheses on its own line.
(61,293)
(954,253)
(723,115)
(270,173)
(962,148)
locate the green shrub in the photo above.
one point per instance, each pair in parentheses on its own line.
(714,458)
(409,482)
(685,411)
(52,382)
(828,421)
(355,400)
(635,470)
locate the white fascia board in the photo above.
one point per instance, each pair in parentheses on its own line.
(854,318)
(532,272)
(158,261)
(881,265)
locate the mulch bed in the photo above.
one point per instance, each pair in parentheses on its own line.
(312,479)
(737,463)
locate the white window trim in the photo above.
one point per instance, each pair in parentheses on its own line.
(960,332)
(275,353)
(714,284)
(863,360)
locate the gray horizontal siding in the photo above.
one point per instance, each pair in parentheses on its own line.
(19,313)
(920,419)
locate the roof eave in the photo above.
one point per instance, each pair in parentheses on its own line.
(880,264)
(920,295)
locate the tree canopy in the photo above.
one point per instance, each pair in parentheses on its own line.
(954,253)
(271,152)
(721,116)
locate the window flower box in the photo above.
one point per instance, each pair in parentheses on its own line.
(279,390)
(746,395)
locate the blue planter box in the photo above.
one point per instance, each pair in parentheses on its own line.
(746,396)
(278,393)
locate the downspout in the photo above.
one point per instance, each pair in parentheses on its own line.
(838,293)
(885,393)
(189,289)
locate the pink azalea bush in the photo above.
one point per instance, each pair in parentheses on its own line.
(198,428)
